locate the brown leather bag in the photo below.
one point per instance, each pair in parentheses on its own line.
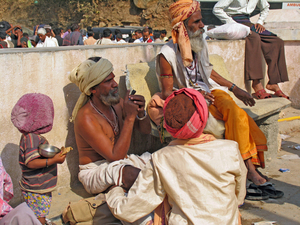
(89,211)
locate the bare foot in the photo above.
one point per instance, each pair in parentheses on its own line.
(253,174)
(273,87)
(262,175)
(256,85)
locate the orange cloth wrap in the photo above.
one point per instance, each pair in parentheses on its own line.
(180,11)
(239,127)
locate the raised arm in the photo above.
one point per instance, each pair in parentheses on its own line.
(142,121)
(90,129)
(238,92)
(219,12)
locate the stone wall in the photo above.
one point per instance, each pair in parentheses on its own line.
(46,71)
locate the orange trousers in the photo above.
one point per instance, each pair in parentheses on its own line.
(239,127)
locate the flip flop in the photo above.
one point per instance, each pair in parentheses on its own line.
(281,94)
(255,194)
(261,94)
(268,189)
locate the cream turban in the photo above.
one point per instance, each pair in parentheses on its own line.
(41,31)
(180,11)
(87,75)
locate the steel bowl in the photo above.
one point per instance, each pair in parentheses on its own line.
(48,151)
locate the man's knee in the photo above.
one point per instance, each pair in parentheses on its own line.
(129,176)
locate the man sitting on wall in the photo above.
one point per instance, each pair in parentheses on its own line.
(103,127)
(183,62)
(258,41)
(202,178)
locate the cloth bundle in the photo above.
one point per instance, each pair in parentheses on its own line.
(33,113)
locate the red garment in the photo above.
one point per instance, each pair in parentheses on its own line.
(195,126)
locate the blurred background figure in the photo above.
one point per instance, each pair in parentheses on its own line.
(90,40)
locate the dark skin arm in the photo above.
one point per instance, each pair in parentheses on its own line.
(142,125)
(167,84)
(238,92)
(259,28)
(41,163)
(96,136)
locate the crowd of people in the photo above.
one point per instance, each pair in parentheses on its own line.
(46,36)
(196,179)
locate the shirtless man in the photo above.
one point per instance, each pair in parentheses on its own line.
(103,127)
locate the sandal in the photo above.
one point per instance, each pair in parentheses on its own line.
(268,189)
(255,194)
(261,94)
(281,94)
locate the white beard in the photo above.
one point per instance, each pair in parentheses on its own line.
(111,98)
(196,40)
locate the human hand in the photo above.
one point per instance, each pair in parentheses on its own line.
(130,106)
(259,28)
(209,96)
(243,96)
(138,100)
(58,158)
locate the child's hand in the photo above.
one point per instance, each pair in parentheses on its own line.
(58,158)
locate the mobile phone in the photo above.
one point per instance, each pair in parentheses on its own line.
(133,92)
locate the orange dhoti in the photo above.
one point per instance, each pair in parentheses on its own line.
(240,127)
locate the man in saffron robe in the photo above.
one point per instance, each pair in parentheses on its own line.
(183,62)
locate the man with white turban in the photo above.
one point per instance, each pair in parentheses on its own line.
(202,178)
(44,41)
(103,128)
(183,62)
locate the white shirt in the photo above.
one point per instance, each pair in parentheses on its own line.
(121,42)
(47,43)
(204,183)
(140,40)
(55,41)
(224,9)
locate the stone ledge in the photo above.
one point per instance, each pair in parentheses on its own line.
(265,107)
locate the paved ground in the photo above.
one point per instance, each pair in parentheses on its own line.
(284,210)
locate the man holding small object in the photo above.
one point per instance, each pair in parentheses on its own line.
(103,127)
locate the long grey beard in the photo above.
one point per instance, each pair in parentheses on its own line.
(111,98)
(196,40)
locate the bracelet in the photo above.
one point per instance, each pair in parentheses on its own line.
(46,162)
(142,117)
(231,88)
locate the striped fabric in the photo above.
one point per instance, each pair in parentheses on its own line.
(41,180)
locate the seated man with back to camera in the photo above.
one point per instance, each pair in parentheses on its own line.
(202,178)
(183,62)
(103,128)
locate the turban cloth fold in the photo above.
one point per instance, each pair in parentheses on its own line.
(87,75)
(33,113)
(180,11)
(196,124)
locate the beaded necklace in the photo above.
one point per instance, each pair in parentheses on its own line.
(114,124)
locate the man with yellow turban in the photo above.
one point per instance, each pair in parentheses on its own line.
(103,127)
(202,178)
(184,62)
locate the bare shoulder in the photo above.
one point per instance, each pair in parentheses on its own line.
(86,119)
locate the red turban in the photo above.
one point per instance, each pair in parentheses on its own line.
(197,122)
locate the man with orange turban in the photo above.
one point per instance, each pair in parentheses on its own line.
(184,62)
(183,174)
